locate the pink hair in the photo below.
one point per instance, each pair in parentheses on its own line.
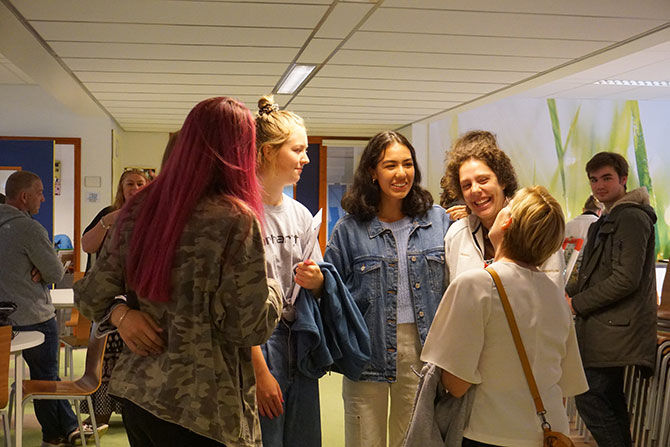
(214,155)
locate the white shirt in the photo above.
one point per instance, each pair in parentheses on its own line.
(285,232)
(470,338)
(579,226)
(464,245)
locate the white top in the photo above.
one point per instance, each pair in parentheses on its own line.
(285,230)
(471,339)
(579,226)
(462,249)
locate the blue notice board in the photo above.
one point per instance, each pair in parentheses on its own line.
(36,156)
(307,188)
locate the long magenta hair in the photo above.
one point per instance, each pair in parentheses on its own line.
(214,155)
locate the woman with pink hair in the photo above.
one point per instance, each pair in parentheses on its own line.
(187,253)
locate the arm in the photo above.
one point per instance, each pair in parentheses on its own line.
(629,246)
(268,392)
(95,292)
(94,235)
(247,305)
(41,253)
(456,386)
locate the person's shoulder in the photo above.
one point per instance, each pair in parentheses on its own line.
(458,227)
(226,211)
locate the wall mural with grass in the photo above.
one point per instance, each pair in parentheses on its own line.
(550,141)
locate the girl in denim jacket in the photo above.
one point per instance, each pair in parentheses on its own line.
(389,250)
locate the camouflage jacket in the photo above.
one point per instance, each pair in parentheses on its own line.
(222,304)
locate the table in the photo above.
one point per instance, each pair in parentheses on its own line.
(62,298)
(23,340)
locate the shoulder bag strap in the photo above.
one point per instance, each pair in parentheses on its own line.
(525,364)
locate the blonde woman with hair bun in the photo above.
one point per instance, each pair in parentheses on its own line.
(288,401)
(471,342)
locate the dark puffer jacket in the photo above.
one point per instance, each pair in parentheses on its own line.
(615,296)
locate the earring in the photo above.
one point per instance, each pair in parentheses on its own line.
(374,181)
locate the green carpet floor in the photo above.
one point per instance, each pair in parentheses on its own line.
(332,414)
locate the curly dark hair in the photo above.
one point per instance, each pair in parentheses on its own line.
(479,145)
(362,199)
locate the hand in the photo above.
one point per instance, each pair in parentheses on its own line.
(110,219)
(457,212)
(35,275)
(139,331)
(308,275)
(569,300)
(269,396)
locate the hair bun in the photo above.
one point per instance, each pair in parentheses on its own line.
(266,106)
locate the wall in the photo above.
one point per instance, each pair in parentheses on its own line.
(64,203)
(139,150)
(550,142)
(30,111)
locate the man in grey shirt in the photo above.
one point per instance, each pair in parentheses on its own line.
(28,265)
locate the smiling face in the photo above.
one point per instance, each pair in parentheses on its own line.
(287,162)
(481,191)
(131,184)
(394,173)
(606,185)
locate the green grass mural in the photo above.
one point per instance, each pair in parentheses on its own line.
(582,142)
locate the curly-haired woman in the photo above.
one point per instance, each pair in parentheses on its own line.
(481,174)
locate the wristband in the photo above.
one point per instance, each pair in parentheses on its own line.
(123,316)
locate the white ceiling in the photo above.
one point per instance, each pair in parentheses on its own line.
(380,64)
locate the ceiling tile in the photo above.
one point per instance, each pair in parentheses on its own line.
(427,74)
(342,19)
(169,34)
(174,12)
(508,24)
(173,52)
(318,50)
(499,46)
(441,60)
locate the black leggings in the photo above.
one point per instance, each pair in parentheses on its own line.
(470,443)
(146,430)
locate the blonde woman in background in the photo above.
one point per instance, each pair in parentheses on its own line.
(131,181)
(288,401)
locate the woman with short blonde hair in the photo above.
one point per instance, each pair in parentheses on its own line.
(471,342)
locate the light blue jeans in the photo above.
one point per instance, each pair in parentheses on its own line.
(300,425)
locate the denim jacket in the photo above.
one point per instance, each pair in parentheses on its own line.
(365,255)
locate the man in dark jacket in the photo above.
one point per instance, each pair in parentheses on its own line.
(614,299)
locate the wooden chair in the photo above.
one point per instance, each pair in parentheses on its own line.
(78,390)
(81,328)
(5,346)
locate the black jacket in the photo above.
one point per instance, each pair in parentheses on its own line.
(615,295)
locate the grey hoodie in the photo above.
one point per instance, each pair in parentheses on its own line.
(25,244)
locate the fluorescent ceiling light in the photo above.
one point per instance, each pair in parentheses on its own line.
(633,83)
(296,76)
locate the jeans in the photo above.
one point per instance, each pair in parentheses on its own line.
(367,416)
(55,416)
(603,407)
(146,430)
(300,424)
